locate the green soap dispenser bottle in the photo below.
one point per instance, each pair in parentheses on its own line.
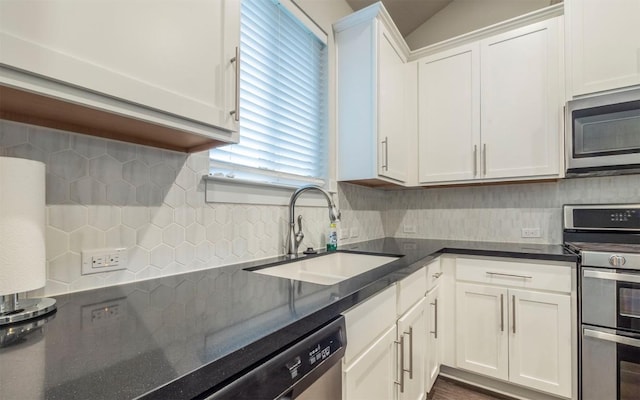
(332,238)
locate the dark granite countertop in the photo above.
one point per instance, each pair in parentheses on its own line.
(178,337)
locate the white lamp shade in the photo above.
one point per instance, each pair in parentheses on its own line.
(22,225)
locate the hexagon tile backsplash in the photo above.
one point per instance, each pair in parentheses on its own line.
(102,193)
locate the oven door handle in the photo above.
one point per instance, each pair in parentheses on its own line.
(610,337)
(612,276)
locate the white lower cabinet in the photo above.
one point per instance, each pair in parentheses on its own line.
(505,319)
(386,336)
(371,376)
(412,327)
(433,354)
(517,335)
(481,337)
(540,341)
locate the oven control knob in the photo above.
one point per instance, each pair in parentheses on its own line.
(617,261)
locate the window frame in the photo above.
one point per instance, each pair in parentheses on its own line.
(222,174)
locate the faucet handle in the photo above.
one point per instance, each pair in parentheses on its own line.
(299,234)
(299,223)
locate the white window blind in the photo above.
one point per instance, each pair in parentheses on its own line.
(283,110)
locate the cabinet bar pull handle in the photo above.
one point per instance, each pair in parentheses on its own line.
(510,275)
(513,303)
(501,313)
(401,383)
(475,159)
(410,370)
(435,319)
(385,143)
(484,159)
(236,112)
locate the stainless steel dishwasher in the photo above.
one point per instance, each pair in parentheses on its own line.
(307,369)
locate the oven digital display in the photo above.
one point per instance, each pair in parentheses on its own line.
(607,218)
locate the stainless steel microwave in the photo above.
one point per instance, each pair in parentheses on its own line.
(603,134)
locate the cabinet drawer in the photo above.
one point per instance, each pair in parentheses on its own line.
(534,275)
(368,320)
(411,289)
(434,273)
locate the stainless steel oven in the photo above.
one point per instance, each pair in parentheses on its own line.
(607,238)
(603,133)
(610,333)
(610,364)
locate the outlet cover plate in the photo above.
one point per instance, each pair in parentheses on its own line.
(104,260)
(530,232)
(409,228)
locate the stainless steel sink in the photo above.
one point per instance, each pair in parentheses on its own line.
(327,269)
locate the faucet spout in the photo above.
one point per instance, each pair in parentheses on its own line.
(334,216)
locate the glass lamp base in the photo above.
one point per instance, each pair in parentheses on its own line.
(28,309)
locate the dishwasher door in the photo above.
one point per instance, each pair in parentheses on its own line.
(309,368)
(327,387)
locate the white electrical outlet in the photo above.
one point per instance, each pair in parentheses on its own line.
(355,232)
(530,232)
(409,228)
(103,260)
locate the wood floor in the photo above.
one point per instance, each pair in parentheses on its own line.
(447,389)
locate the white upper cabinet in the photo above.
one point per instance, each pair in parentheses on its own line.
(392,159)
(603,45)
(166,63)
(521,102)
(449,116)
(492,109)
(373,143)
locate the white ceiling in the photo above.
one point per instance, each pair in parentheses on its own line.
(407,14)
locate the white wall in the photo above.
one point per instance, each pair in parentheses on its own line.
(462,16)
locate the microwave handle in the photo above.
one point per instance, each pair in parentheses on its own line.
(610,337)
(612,276)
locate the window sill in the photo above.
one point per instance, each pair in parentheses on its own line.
(220,189)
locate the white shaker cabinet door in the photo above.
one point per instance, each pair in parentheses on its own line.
(371,376)
(392,137)
(449,115)
(172,56)
(540,341)
(482,330)
(411,333)
(603,39)
(434,336)
(522,99)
